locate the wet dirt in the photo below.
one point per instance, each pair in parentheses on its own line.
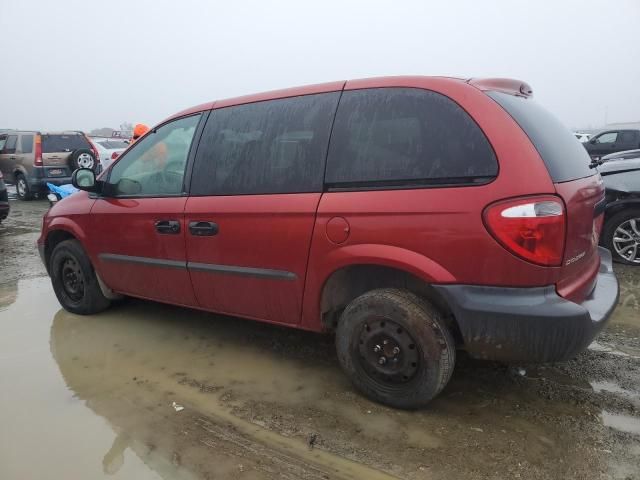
(91,397)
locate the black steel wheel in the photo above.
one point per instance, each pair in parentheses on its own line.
(395,348)
(74,280)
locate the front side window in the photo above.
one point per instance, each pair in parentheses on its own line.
(26,143)
(406,136)
(156,164)
(275,146)
(609,137)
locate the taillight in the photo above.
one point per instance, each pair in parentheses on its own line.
(114,155)
(38,149)
(94,149)
(533,228)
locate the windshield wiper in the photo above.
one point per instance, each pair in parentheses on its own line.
(596,163)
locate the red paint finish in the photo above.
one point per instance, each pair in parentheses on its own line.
(127,227)
(255,231)
(338,230)
(581,259)
(435,234)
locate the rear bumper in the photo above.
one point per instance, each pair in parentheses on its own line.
(531,324)
(38,181)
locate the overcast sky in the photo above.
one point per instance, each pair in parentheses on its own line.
(88,64)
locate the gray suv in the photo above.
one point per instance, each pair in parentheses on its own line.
(31,159)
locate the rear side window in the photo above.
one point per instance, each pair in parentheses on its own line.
(406,136)
(26,143)
(276,146)
(52,143)
(10,145)
(565,158)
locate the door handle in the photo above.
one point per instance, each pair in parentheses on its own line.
(12,157)
(203,229)
(170,227)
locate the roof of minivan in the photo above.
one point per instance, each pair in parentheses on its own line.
(506,85)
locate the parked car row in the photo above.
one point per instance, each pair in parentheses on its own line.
(31,159)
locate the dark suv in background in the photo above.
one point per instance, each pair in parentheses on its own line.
(612,141)
(30,159)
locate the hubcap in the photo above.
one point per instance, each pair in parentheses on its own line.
(72,279)
(388,353)
(21,187)
(85,160)
(626,240)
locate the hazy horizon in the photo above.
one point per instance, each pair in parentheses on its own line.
(86,65)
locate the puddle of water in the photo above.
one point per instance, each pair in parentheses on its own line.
(620,351)
(96,393)
(621,422)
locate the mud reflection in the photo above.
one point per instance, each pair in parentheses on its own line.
(254,395)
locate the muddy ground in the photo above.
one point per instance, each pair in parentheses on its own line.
(86,397)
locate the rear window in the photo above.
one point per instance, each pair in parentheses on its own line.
(565,157)
(63,143)
(406,137)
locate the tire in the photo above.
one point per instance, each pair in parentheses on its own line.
(421,367)
(622,222)
(69,262)
(83,158)
(22,187)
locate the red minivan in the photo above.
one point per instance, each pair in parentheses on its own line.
(410,216)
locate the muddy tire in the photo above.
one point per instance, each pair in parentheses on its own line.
(74,280)
(625,227)
(22,187)
(395,348)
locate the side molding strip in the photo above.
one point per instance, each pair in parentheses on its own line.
(200,267)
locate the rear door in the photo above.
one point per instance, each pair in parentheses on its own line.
(629,140)
(57,147)
(24,151)
(580,187)
(137,234)
(256,185)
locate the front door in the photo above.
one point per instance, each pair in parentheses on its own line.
(8,157)
(603,144)
(137,235)
(255,189)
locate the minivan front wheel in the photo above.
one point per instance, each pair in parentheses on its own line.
(395,348)
(74,280)
(22,188)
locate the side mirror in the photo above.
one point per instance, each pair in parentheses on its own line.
(592,141)
(84,179)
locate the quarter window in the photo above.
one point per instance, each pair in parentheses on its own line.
(275,146)
(406,136)
(26,143)
(155,165)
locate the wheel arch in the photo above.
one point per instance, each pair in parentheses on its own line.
(348,282)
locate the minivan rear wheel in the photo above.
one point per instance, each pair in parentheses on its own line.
(22,187)
(74,280)
(395,347)
(621,235)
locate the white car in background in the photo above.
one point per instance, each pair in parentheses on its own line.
(583,137)
(109,149)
